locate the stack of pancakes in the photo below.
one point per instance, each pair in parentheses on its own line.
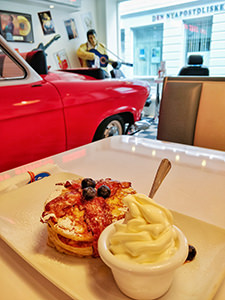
(79,213)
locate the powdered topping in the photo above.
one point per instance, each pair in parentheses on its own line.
(75,212)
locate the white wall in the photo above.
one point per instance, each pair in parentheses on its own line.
(173,46)
(217,53)
(59,14)
(107,24)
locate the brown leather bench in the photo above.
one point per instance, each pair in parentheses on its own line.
(192,111)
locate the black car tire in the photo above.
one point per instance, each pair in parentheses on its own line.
(111,126)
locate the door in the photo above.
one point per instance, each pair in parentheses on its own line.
(31,117)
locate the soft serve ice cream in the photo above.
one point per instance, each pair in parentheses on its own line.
(147,235)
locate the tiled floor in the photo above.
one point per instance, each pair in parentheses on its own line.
(150,114)
(150,133)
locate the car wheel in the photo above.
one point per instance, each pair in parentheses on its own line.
(109,127)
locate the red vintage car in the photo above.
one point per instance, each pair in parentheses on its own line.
(43,113)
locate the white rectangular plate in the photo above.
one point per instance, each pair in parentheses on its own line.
(89,278)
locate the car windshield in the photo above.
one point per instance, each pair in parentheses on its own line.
(9,68)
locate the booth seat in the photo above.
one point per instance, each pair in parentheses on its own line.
(192,111)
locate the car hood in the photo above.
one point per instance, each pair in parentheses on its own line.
(59,77)
(65,76)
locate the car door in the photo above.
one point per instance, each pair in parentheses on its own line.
(31,116)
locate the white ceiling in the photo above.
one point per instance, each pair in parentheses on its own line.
(76,4)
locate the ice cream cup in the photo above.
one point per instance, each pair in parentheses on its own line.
(142,281)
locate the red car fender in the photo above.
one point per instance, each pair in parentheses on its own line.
(107,98)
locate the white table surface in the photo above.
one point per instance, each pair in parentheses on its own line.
(195,186)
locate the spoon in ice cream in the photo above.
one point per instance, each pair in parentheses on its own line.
(161,173)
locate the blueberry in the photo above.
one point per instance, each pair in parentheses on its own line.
(191,253)
(89,193)
(104,191)
(88,182)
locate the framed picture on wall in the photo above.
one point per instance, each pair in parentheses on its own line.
(71,28)
(62,59)
(142,54)
(16,27)
(88,22)
(46,22)
(155,55)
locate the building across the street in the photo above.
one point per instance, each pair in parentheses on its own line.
(169,34)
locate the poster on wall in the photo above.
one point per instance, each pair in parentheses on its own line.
(155,55)
(142,54)
(46,22)
(16,27)
(88,22)
(61,59)
(71,28)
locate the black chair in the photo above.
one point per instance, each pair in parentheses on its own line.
(194,67)
(37,60)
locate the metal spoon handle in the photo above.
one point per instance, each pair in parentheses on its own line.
(162,171)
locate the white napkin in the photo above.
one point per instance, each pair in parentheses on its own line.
(28,177)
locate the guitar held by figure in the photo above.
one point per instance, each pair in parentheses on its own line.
(43,47)
(104,60)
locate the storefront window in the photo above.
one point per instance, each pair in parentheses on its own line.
(122,40)
(198,37)
(147,49)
